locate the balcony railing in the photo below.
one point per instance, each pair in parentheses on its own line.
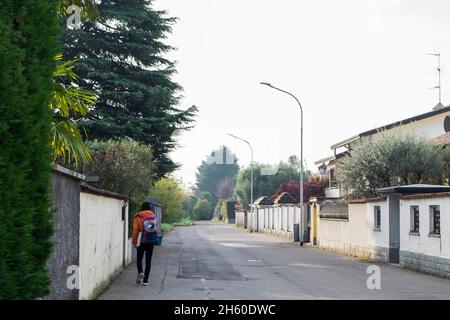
(332,193)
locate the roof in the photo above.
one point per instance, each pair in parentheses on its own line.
(284,198)
(327,159)
(415,188)
(345,142)
(422,116)
(426,196)
(263,201)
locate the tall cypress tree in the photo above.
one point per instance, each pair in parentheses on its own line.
(28,39)
(121,57)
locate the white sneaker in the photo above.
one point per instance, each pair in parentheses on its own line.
(139,278)
(145,283)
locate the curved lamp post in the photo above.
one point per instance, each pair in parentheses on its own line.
(301,155)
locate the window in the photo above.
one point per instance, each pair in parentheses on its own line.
(377,218)
(435,220)
(415,219)
(332,178)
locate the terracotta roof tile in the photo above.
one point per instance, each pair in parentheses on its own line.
(426,196)
(366,200)
(443,139)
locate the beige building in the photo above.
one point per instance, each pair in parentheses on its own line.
(433,125)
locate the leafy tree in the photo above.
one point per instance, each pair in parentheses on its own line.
(263,185)
(124,166)
(121,58)
(170,194)
(203,210)
(28,43)
(446,157)
(220,166)
(386,160)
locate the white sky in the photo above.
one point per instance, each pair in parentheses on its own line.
(354,65)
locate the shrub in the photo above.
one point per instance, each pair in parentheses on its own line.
(166,227)
(124,166)
(203,210)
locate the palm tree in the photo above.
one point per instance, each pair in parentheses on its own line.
(68,103)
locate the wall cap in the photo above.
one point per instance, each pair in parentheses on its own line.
(89,189)
(334,219)
(64,171)
(367,200)
(426,196)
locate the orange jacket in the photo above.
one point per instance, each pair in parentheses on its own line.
(138,226)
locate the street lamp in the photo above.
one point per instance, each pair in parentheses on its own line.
(251,168)
(301,154)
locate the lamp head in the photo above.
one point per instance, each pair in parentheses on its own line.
(266,84)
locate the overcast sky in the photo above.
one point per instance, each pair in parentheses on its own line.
(354,65)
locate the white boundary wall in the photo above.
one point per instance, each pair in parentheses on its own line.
(278,220)
(356,236)
(424,251)
(104,245)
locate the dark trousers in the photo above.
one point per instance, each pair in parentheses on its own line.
(146,249)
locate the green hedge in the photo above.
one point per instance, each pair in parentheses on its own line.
(28,43)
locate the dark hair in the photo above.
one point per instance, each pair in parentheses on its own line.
(146,206)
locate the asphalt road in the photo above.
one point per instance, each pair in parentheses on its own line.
(216,261)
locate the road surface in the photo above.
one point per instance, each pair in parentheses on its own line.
(217,261)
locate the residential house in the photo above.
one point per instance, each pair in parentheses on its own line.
(433,125)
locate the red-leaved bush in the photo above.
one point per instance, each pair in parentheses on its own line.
(311,188)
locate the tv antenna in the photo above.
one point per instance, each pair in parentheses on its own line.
(438,55)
